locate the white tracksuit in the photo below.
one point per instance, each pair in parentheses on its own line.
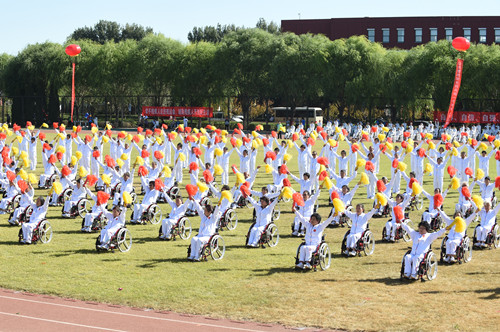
(263,218)
(313,236)
(359,225)
(208,227)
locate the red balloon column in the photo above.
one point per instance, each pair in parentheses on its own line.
(73,50)
(461,44)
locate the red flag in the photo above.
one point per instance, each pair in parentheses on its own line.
(454,92)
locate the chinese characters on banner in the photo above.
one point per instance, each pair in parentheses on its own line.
(469,117)
(454,92)
(189,112)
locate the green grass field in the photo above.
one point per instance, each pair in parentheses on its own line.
(361,293)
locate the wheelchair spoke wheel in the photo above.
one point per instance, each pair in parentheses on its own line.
(124,240)
(406,237)
(154,214)
(496,236)
(67,195)
(369,243)
(45,231)
(419,203)
(431,266)
(173,192)
(184,228)
(84,206)
(467,249)
(276,214)
(231,219)
(217,247)
(134,197)
(273,235)
(324,256)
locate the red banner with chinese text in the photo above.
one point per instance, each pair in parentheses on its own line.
(469,117)
(189,112)
(454,92)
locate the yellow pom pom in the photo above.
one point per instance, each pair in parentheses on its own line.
(364,179)
(57,187)
(61,149)
(287,157)
(141,137)
(429,136)
(337,130)
(416,188)
(390,146)
(124,156)
(108,126)
(120,162)
(483,146)
(456,144)
(455,183)
(218,152)
(385,129)
(74,160)
(127,198)
(23,174)
(15,151)
(26,162)
(105,139)
(409,148)
(106,179)
(287,192)
(239,142)
(218,170)
(203,139)
(44,125)
(75,129)
(203,131)
(360,163)
(259,141)
(19,139)
(254,144)
(82,172)
(428,168)
(196,130)
(93,130)
(226,194)
(332,142)
(478,201)
(381,137)
(327,183)
(479,174)
(338,205)
(129,137)
(202,186)
(269,169)
(182,156)
(341,137)
(454,151)
(460,224)
(224,132)
(32,178)
(402,166)
(139,161)
(432,146)
(240,178)
(381,198)
(167,171)
(78,155)
(254,134)
(496,143)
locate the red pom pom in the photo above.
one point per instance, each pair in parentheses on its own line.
(491,138)
(273,134)
(197,151)
(91,180)
(395,163)
(245,191)
(246,140)
(497,182)
(323,175)
(142,171)
(270,155)
(158,155)
(65,171)
(240,126)
(11,175)
(398,213)
(381,186)
(159,184)
(451,171)
(4,136)
(412,181)
(324,135)
(369,166)
(52,159)
(149,132)
(406,134)
(319,129)
(404,144)
(55,125)
(311,141)
(265,141)
(140,130)
(473,142)
(110,162)
(207,175)
(295,137)
(334,195)
(322,161)
(96,154)
(286,183)
(283,169)
(233,141)
(193,166)
(468,171)
(298,199)
(302,132)
(438,200)
(145,154)
(59,155)
(466,192)
(374,129)
(22,185)
(121,135)
(421,152)
(188,129)
(102,198)
(448,146)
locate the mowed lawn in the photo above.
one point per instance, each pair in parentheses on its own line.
(361,293)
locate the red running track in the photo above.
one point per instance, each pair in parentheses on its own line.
(30,312)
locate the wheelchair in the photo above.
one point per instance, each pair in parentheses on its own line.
(24,216)
(428,266)
(416,203)
(41,233)
(343,218)
(215,248)
(492,239)
(152,214)
(385,212)
(436,223)
(270,236)
(181,229)
(203,202)
(122,240)
(65,196)
(98,223)
(48,183)
(133,195)
(463,253)
(229,220)
(400,231)
(116,189)
(365,244)
(241,203)
(81,208)
(321,256)
(172,193)
(13,204)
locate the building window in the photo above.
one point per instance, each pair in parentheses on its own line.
(497,35)
(482,35)
(401,35)
(418,35)
(385,35)
(449,33)
(434,34)
(467,33)
(371,35)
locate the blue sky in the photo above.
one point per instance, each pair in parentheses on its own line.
(24,22)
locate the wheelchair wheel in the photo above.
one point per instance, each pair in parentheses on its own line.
(45,231)
(431,264)
(276,214)
(84,206)
(406,236)
(369,243)
(273,235)
(324,256)
(496,236)
(98,223)
(184,228)
(467,249)
(443,249)
(419,203)
(204,201)
(217,247)
(231,219)
(343,246)
(285,199)
(154,214)
(173,192)
(298,253)
(124,240)
(134,198)
(67,195)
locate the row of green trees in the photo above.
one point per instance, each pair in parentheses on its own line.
(353,77)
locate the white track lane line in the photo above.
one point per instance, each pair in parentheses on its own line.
(59,322)
(133,315)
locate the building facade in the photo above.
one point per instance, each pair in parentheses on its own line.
(402,32)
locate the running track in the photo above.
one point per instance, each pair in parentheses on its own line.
(30,312)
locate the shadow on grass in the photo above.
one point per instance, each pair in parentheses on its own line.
(268,272)
(9,242)
(387,281)
(154,262)
(74,232)
(75,252)
(495,293)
